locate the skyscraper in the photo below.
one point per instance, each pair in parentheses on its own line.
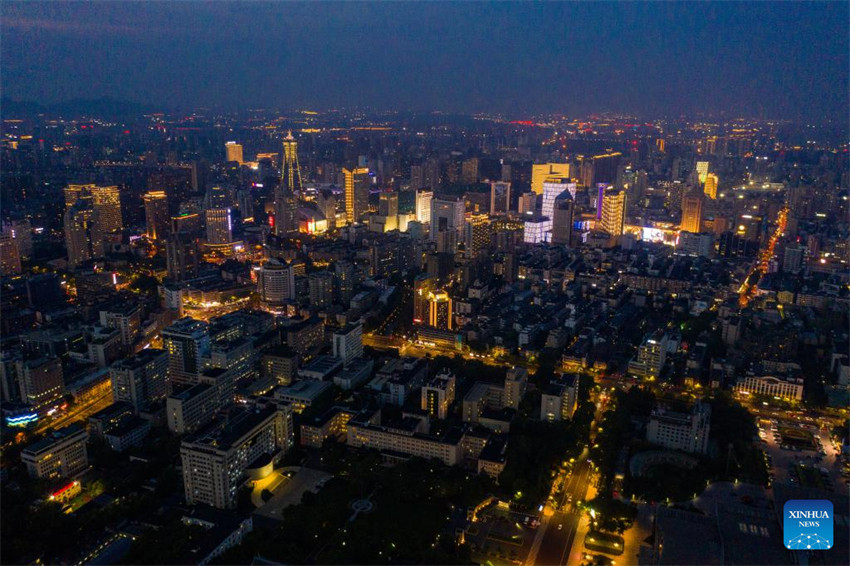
(219,226)
(446,215)
(186,341)
(552,189)
(276,283)
(613,212)
(290,171)
(233,152)
(541,172)
(440,315)
(423,206)
(500,197)
(710,188)
(78,231)
(156,214)
(106,203)
(562,219)
(702,170)
(692,211)
(423,286)
(356,193)
(289,189)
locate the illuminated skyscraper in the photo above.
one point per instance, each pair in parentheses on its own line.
(477,233)
(440,311)
(500,197)
(423,286)
(552,189)
(74,192)
(234,152)
(613,212)
(702,170)
(542,172)
(219,226)
(356,193)
(710,188)
(692,211)
(423,206)
(156,214)
(289,189)
(290,171)
(446,215)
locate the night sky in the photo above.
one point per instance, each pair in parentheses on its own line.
(776,60)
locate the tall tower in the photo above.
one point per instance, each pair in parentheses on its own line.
(78,231)
(156,214)
(613,212)
(356,193)
(692,211)
(286,195)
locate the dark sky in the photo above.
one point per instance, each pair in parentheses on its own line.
(776,59)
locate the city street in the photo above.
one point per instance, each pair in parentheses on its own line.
(557,541)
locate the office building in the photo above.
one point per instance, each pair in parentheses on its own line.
(674,430)
(301,394)
(553,188)
(527,203)
(440,315)
(186,341)
(106,204)
(348,343)
(41,381)
(191,408)
(768,386)
(280,364)
(423,206)
(233,152)
(62,454)
(542,172)
(536,229)
(304,336)
(652,354)
(613,212)
(157,219)
(702,171)
(423,286)
(216,458)
(695,245)
(276,283)
(406,437)
(477,233)
(500,197)
(692,211)
(710,188)
(321,289)
(219,226)
(79,225)
(141,379)
(447,216)
(10,257)
(438,394)
(562,220)
(332,424)
(357,182)
(182,256)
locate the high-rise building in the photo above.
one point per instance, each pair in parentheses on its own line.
(536,229)
(233,152)
(692,211)
(792,259)
(290,170)
(41,380)
(79,220)
(20,230)
(552,189)
(447,215)
(710,188)
(356,193)
(186,341)
(219,226)
(10,257)
(613,212)
(140,379)
(542,172)
(106,202)
(651,356)
(469,170)
(527,203)
(388,204)
(215,459)
(440,316)
(500,197)
(562,220)
(477,233)
(156,214)
(702,170)
(276,283)
(348,343)
(423,286)
(321,288)
(423,206)
(438,394)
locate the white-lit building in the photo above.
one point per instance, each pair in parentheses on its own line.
(791,388)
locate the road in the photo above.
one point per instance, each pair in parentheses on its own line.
(77,413)
(556,543)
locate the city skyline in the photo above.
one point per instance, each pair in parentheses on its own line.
(647,59)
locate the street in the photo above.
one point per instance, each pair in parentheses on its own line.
(556,544)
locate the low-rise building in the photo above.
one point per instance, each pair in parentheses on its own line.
(301,394)
(131,431)
(789,389)
(192,408)
(331,424)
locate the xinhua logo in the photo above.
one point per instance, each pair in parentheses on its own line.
(808,524)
